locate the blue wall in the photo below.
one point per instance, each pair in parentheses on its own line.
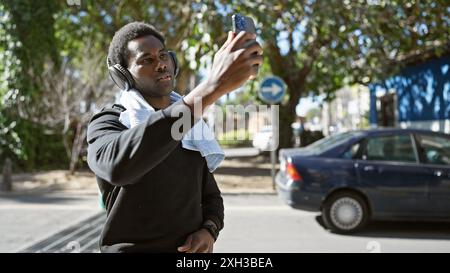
(423,92)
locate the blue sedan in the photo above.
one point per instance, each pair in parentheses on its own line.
(379,174)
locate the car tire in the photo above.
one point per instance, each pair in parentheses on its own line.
(345,213)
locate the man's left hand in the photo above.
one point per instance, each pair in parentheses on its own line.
(200,241)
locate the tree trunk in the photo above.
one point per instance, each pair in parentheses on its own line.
(78,142)
(287,117)
(66,144)
(6,184)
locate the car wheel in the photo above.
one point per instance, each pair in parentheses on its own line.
(345,212)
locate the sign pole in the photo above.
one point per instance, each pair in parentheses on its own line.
(273,159)
(272,91)
(275,135)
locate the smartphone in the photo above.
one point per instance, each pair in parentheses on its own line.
(244,23)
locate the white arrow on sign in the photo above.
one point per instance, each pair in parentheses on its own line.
(274,89)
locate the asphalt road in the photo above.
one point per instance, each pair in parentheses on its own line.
(253,223)
(265,224)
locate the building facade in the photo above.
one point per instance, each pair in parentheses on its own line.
(418,97)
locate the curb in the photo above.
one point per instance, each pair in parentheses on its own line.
(249,193)
(43,192)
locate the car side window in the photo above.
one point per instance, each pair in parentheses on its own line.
(435,150)
(390,148)
(352,152)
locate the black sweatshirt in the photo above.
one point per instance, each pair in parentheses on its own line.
(156,192)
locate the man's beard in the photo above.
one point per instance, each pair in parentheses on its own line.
(155,90)
(159,93)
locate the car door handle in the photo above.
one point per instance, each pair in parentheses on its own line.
(438,173)
(369,168)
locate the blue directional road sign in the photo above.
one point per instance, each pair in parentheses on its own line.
(272,90)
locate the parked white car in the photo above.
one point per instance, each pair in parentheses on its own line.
(262,140)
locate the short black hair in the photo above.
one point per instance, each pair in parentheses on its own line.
(118,48)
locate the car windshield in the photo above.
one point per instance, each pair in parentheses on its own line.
(331,141)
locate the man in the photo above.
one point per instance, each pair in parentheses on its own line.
(159,196)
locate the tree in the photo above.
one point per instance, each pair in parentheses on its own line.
(20,69)
(320,46)
(48,75)
(315,46)
(68,101)
(190,28)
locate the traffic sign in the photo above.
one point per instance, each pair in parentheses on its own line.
(272,90)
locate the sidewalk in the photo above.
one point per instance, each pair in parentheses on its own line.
(246,175)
